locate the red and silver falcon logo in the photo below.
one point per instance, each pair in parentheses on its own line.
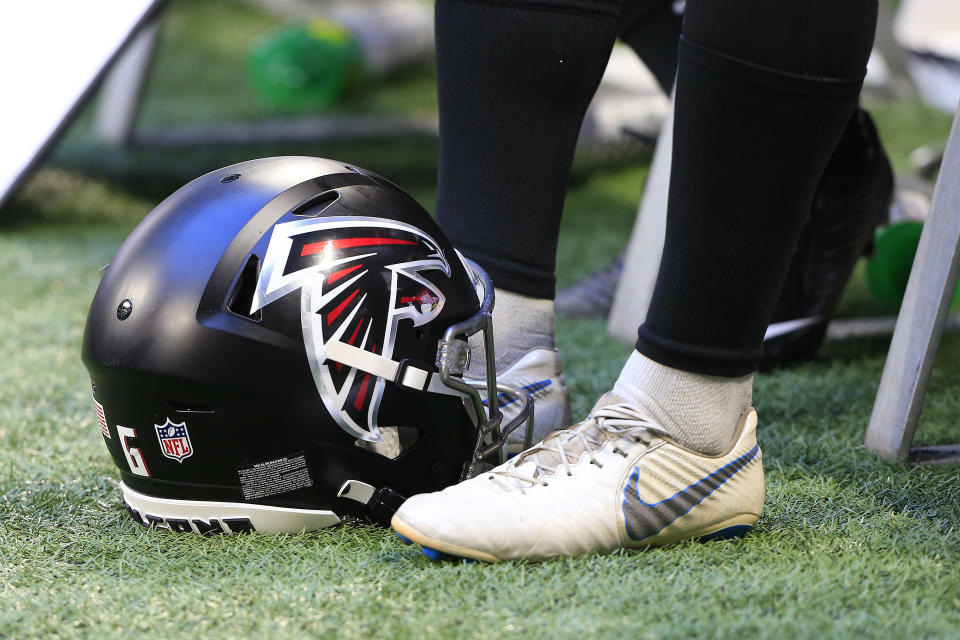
(358,277)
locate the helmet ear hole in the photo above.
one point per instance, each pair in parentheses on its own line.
(241,299)
(189,407)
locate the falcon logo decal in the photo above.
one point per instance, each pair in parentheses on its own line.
(358,277)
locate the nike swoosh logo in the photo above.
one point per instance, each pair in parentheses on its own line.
(644,519)
(777,329)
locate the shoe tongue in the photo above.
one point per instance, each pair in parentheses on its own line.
(604,400)
(548,460)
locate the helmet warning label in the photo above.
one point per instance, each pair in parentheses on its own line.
(271,477)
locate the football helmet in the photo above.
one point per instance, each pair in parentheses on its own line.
(281,343)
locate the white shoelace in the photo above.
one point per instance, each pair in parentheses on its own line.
(562,449)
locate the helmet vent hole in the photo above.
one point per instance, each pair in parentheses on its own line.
(242,297)
(189,407)
(314,206)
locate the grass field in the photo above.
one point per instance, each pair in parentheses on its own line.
(848,546)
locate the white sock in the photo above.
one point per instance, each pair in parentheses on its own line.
(520,323)
(699,412)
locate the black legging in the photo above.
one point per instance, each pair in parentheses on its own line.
(652,29)
(764,91)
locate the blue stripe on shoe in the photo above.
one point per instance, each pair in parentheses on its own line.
(505,399)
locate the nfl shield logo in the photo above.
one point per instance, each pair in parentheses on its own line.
(174,440)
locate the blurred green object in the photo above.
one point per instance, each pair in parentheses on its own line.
(889,268)
(305,65)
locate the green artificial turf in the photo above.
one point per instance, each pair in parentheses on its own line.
(848,545)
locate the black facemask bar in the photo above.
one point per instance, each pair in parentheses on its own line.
(453,358)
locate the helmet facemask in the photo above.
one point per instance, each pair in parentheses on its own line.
(453,358)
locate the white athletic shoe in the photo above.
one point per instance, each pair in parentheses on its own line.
(539,372)
(610,482)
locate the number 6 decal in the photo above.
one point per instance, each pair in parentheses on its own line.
(132,454)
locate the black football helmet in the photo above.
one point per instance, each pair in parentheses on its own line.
(280,343)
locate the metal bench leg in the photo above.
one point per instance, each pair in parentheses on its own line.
(930,290)
(642,260)
(120,95)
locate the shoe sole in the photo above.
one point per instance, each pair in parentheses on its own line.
(439,551)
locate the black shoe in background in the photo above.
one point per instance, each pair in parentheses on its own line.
(592,296)
(852,199)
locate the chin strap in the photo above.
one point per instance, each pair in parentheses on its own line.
(403,373)
(406,373)
(382,503)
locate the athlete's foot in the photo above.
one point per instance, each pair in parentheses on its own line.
(612,481)
(539,373)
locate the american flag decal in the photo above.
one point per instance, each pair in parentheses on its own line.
(101,418)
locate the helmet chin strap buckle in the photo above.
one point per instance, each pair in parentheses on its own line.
(381,503)
(384,504)
(412,374)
